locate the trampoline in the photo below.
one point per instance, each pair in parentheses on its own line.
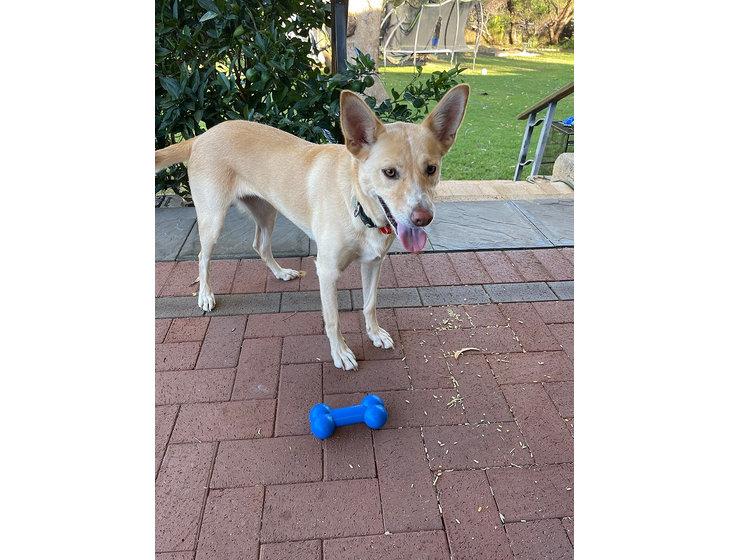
(426,27)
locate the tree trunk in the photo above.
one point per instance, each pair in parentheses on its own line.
(363,33)
(553,35)
(513,29)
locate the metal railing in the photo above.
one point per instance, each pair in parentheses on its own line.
(550,102)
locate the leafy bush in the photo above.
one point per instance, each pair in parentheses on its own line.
(218,60)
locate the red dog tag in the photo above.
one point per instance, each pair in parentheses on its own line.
(385,230)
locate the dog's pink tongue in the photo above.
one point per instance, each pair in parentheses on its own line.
(412,238)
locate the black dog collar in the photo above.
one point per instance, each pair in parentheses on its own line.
(360,213)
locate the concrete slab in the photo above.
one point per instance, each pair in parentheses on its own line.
(495,224)
(554,218)
(172,227)
(237,236)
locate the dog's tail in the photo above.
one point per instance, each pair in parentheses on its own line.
(177,153)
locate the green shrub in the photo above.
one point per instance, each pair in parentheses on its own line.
(218,60)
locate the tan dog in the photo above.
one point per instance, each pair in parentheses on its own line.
(391,170)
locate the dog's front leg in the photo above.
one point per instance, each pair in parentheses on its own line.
(342,356)
(370,272)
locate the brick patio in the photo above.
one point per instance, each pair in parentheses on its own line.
(475,461)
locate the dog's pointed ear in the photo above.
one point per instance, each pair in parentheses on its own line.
(360,126)
(446,117)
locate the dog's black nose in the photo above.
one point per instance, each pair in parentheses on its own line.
(421,217)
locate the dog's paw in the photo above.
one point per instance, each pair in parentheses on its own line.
(381,338)
(343,357)
(206,300)
(288,274)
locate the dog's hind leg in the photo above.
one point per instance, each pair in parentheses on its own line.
(211,206)
(265,216)
(370,272)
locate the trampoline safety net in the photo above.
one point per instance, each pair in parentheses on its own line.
(422,27)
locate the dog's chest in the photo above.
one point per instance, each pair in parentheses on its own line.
(375,245)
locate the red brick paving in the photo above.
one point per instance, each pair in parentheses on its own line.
(500,267)
(555,311)
(224,420)
(349,454)
(273,284)
(540,492)
(568,524)
(176,355)
(284,324)
(303,550)
(180,493)
(161,328)
(240,476)
(188,555)
(549,439)
(545,539)
(279,460)
(406,488)
(471,517)
(424,357)
(222,344)
(315,348)
(181,281)
(321,510)
(257,376)
(250,277)
(164,421)
(200,385)
(188,329)
(529,266)
(439,270)
(421,545)
(371,376)
(534,335)
(559,267)
(497,444)
(408,271)
(162,272)
(297,383)
(564,335)
(470,269)
(481,396)
(531,367)
(231,520)
(561,393)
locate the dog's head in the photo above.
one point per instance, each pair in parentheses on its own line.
(399,164)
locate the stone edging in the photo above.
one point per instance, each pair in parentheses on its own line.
(292,302)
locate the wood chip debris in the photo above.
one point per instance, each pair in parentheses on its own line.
(458,353)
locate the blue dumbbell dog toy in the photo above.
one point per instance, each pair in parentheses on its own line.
(371,411)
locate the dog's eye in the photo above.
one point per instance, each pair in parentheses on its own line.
(390,173)
(430,169)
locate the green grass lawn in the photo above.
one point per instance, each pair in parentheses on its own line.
(489,140)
